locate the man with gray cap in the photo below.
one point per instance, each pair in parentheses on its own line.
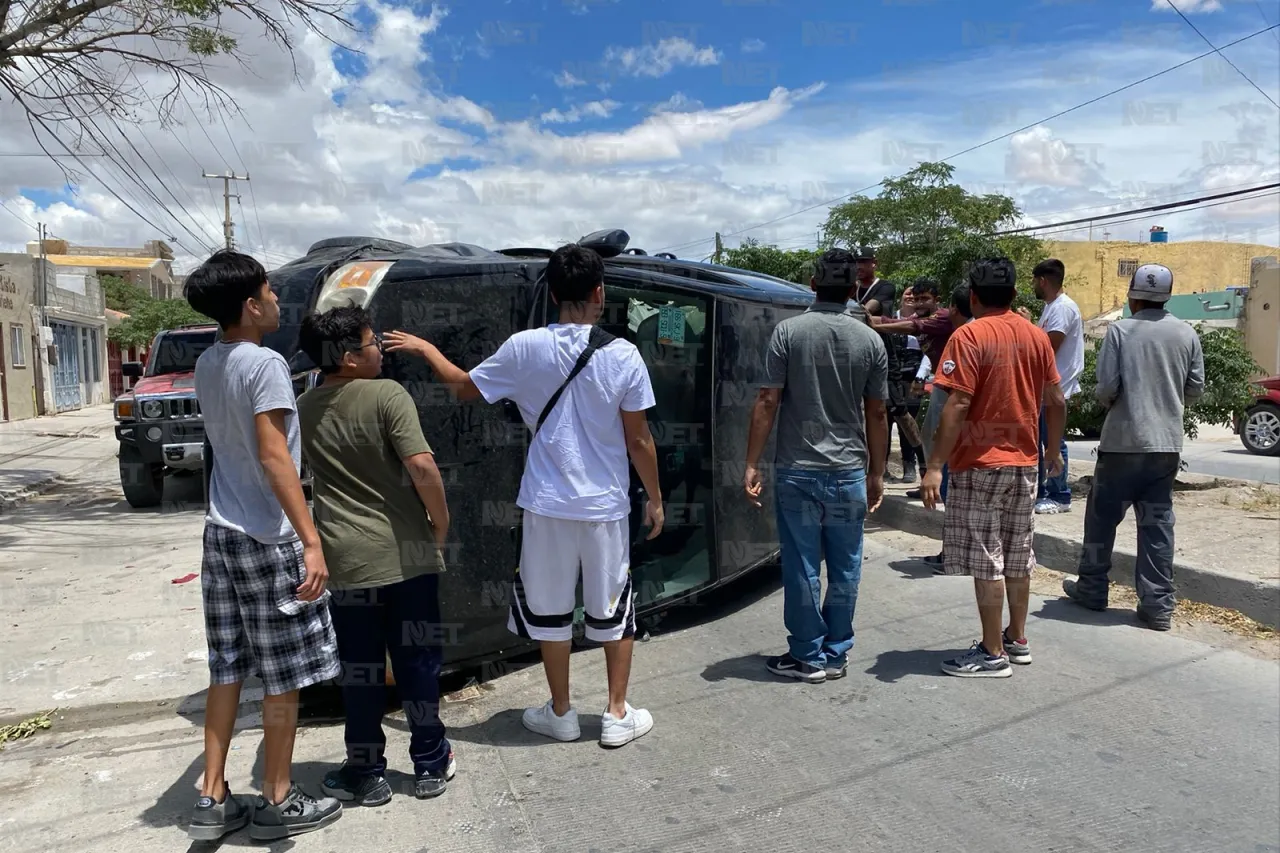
(1150,365)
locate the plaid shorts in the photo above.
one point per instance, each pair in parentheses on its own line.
(989,523)
(253,620)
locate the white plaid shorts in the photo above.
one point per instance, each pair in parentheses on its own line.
(253,620)
(989,524)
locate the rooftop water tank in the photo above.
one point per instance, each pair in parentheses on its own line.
(1159,235)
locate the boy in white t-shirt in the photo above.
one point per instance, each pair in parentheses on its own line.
(574,491)
(1062,321)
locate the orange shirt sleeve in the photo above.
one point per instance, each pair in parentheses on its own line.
(959,365)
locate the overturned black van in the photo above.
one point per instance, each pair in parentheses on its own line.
(702,329)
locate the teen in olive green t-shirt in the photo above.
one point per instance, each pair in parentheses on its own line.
(371,521)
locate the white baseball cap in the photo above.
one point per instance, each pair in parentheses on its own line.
(1151,283)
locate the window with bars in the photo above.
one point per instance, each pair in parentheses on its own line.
(1127,267)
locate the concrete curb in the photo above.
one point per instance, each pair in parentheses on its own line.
(1258,601)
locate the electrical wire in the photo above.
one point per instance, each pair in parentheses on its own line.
(1187,210)
(1247,78)
(1152,209)
(992,141)
(18,216)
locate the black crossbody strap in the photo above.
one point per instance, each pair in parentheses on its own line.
(596,340)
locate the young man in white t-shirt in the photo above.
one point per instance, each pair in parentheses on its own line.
(574,491)
(1061,320)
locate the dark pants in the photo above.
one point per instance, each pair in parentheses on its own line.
(912,457)
(403,620)
(1143,481)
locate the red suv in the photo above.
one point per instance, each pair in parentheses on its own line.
(1260,427)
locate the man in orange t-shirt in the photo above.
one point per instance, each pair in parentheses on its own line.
(997,370)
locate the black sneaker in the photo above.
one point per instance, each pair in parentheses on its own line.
(300,812)
(789,667)
(938,562)
(362,789)
(210,820)
(1155,621)
(433,782)
(1071,588)
(908,476)
(914,494)
(837,670)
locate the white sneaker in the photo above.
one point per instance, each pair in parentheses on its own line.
(615,732)
(544,721)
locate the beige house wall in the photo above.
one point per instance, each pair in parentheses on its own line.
(1261,320)
(1093,268)
(16,296)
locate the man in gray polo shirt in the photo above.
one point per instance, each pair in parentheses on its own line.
(1150,365)
(826,381)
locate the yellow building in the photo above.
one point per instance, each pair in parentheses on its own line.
(1098,272)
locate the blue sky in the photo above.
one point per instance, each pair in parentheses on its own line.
(534,121)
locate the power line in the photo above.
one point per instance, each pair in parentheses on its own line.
(973,148)
(1152,209)
(17,216)
(1223,55)
(1185,210)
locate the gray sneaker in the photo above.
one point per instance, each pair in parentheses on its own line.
(976,663)
(1050,507)
(300,812)
(210,820)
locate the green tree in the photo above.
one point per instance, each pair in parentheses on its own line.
(1229,369)
(792,265)
(924,224)
(147,315)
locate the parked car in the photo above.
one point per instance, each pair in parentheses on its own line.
(702,329)
(158,421)
(1260,427)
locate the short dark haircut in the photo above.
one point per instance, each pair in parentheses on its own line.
(833,275)
(574,272)
(1051,269)
(221,285)
(1145,305)
(994,281)
(926,285)
(327,337)
(960,301)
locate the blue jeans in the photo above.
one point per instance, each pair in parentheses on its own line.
(401,620)
(821,515)
(1053,488)
(1143,481)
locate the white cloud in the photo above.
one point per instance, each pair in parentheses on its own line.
(566,80)
(658,60)
(1187,6)
(752,45)
(578,112)
(1037,157)
(677,103)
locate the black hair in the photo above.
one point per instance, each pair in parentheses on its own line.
(994,281)
(221,285)
(573,273)
(926,285)
(1145,304)
(1051,269)
(327,337)
(960,301)
(833,276)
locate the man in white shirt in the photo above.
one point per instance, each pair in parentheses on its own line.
(574,491)
(1061,320)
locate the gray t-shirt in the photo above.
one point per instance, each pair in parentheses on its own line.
(235,382)
(826,362)
(1149,367)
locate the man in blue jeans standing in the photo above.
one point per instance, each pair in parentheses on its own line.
(826,381)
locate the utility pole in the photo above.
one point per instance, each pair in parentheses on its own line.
(228,227)
(719,248)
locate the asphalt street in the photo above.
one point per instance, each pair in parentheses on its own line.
(1215,452)
(1114,739)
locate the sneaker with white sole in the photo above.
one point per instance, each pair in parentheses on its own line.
(619,732)
(1019,651)
(977,663)
(1048,506)
(788,667)
(544,721)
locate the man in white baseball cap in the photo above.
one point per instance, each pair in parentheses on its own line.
(1141,445)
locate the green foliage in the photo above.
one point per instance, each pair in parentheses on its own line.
(794,265)
(922,224)
(1229,368)
(147,316)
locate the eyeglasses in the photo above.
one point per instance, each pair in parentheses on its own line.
(377,342)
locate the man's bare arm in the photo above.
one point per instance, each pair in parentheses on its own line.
(449,374)
(877,436)
(763,414)
(1055,415)
(277,462)
(643,452)
(954,415)
(429,485)
(1056,339)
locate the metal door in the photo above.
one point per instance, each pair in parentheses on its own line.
(66,374)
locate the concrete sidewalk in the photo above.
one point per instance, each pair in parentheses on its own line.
(1227,538)
(38,453)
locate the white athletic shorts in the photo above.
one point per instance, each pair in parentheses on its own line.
(546,585)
